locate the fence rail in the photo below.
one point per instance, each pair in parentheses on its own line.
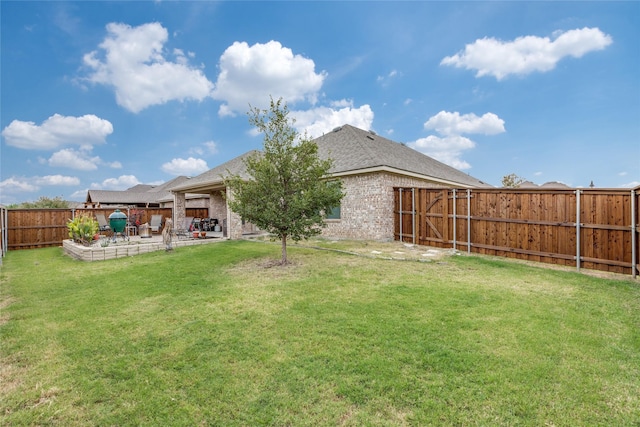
(39,228)
(586,228)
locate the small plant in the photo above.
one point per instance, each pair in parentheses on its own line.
(82,229)
(104,242)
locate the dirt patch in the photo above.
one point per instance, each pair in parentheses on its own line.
(391,250)
(382,250)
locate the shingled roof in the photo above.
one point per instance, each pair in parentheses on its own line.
(215,177)
(141,194)
(354,151)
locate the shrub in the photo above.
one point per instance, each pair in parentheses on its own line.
(82,229)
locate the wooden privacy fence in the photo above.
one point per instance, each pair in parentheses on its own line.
(587,228)
(39,228)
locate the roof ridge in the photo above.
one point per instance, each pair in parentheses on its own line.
(371,153)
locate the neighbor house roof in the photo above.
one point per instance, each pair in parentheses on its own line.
(136,195)
(353,151)
(547,185)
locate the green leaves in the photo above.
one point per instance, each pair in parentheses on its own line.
(82,229)
(288,190)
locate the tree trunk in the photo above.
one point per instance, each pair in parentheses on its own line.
(284,250)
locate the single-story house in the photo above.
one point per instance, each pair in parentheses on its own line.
(369,166)
(143,196)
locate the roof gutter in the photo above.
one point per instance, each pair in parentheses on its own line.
(205,187)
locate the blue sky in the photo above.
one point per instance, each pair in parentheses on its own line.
(106,95)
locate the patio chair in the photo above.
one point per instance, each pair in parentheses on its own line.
(102,222)
(155,223)
(185,230)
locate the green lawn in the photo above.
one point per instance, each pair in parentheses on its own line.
(216,335)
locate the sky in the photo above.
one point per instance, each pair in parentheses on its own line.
(108,95)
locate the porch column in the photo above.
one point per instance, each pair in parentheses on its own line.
(179,209)
(234,222)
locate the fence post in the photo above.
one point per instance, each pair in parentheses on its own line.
(413,215)
(634,265)
(400,215)
(468,220)
(455,219)
(4,220)
(578,192)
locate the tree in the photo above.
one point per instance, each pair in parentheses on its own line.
(43,203)
(289,189)
(512,180)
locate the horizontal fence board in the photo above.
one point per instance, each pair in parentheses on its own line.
(535,225)
(40,228)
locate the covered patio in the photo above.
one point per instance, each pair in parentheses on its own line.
(212,184)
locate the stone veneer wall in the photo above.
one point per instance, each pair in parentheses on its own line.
(234,222)
(366,212)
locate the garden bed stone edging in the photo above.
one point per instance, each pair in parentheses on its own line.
(98,253)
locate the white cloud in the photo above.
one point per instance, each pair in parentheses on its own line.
(79,194)
(528,54)
(631,184)
(447,123)
(16,185)
(121,183)
(57,131)
(209,147)
(189,167)
(446,150)
(449,147)
(79,159)
(132,61)
(341,103)
(250,74)
(57,180)
(321,120)
(385,80)
(74,159)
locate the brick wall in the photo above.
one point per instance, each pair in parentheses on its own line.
(367,208)
(217,206)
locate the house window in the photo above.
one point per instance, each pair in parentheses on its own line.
(334,213)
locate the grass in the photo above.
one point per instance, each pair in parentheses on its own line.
(214,335)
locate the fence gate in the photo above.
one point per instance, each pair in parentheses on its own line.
(422,217)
